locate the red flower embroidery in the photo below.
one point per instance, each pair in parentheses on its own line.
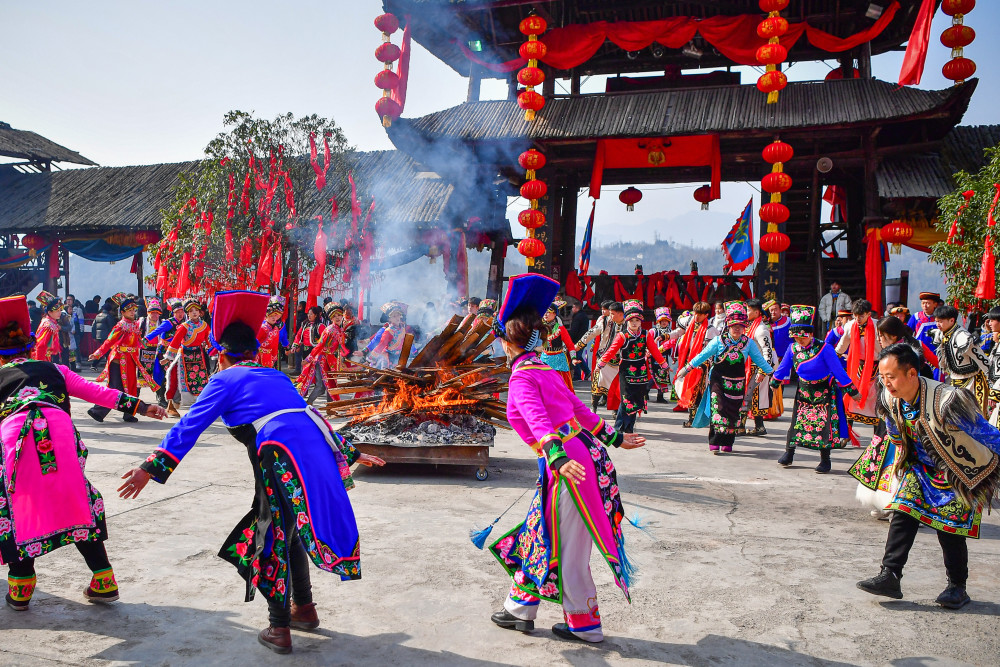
(44,446)
(287,476)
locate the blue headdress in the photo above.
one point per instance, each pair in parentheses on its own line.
(526,289)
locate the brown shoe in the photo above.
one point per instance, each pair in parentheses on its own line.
(278,640)
(304,617)
(172,410)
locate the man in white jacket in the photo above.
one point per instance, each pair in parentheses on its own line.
(831,302)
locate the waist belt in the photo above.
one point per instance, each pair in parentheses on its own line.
(566,432)
(324,428)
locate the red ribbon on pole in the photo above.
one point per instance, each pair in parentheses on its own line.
(986,288)
(956,231)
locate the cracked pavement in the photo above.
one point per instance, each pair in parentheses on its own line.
(741,563)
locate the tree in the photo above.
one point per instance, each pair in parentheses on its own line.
(247,215)
(966,222)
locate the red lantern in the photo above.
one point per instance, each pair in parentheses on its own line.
(772,82)
(769,6)
(531,101)
(777,181)
(956,7)
(958,36)
(387,52)
(897,233)
(771,54)
(837,74)
(534,50)
(630,197)
(774,243)
(959,69)
(387,23)
(533,25)
(775,26)
(531,76)
(703,195)
(531,218)
(534,189)
(778,151)
(386,80)
(531,248)
(531,160)
(146,237)
(776,214)
(386,107)
(33,242)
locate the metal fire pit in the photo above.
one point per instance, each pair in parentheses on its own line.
(477,455)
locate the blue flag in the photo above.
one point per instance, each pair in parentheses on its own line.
(738,246)
(585,245)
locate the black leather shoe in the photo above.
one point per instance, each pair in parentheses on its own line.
(562,631)
(786,458)
(953,597)
(507,620)
(884,583)
(93,415)
(823,467)
(130,418)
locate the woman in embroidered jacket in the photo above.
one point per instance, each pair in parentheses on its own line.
(818,419)
(123,370)
(633,345)
(721,404)
(47,346)
(860,342)
(271,335)
(150,351)
(46,500)
(315,378)
(694,333)
(386,346)
(659,337)
(577,503)
(947,466)
(556,343)
(188,358)
(300,511)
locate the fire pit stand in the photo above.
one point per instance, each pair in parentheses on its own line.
(458,455)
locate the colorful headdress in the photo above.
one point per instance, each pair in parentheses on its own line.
(767,304)
(394,306)
(900,310)
(275,304)
(526,289)
(556,305)
(49,301)
(125,301)
(332,309)
(736,313)
(660,313)
(154,305)
(801,319)
(244,306)
(15,309)
(845,313)
(930,296)
(487,306)
(175,304)
(193,302)
(785,307)
(633,309)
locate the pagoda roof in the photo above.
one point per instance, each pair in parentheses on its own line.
(103,199)
(443,26)
(931,175)
(726,109)
(27,145)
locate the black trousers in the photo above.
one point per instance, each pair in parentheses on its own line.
(114,382)
(280,615)
(902,532)
(92,552)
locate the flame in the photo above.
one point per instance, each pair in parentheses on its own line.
(411,397)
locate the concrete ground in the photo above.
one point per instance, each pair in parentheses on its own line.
(745,563)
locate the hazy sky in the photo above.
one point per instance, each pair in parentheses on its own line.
(143,82)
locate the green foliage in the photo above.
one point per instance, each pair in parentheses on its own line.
(285,139)
(961,263)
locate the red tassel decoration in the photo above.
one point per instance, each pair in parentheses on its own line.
(184,279)
(955,232)
(986,287)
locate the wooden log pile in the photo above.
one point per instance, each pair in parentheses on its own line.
(443,379)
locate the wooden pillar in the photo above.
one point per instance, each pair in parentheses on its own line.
(494,280)
(475,83)
(65,263)
(814,235)
(549,204)
(512,86)
(865,61)
(568,238)
(574,82)
(138,275)
(549,85)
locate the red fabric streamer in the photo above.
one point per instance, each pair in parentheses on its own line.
(231,197)
(955,232)
(916,47)
(277,263)
(264,265)
(229,243)
(986,288)
(398,94)
(184,279)
(874,271)
(245,195)
(289,195)
(735,37)
(314,161)
(355,212)
(836,197)
(690,151)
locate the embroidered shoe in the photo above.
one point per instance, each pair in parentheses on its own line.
(884,583)
(953,597)
(304,617)
(507,620)
(100,598)
(16,605)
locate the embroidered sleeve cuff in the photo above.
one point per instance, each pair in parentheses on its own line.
(607,435)
(555,455)
(159,465)
(127,404)
(851,391)
(350,452)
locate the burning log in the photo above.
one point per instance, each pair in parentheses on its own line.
(443,381)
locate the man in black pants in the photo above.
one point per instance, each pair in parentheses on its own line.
(945,476)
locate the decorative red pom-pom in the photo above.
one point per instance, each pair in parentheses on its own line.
(387,52)
(386,80)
